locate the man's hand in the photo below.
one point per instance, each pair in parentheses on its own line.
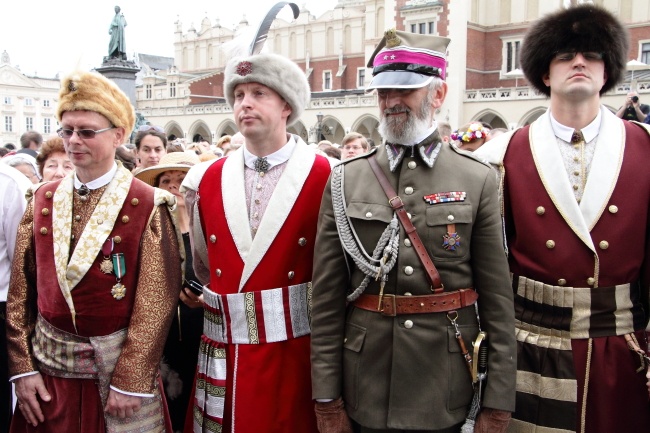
(28,391)
(122,405)
(332,418)
(190,299)
(492,421)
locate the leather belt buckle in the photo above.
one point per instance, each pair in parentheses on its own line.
(389,306)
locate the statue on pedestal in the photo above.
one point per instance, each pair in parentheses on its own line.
(117,45)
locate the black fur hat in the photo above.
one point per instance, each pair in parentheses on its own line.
(580,28)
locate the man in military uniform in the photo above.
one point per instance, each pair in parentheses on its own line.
(576,189)
(386,338)
(94,281)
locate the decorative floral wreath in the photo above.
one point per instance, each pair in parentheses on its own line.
(475,131)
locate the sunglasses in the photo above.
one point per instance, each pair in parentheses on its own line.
(145,128)
(565,56)
(85,134)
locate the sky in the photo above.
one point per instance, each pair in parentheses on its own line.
(45,37)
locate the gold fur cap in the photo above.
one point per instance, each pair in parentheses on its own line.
(90,91)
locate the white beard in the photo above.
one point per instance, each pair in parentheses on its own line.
(408,131)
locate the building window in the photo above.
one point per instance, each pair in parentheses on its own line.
(46,102)
(47,127)
(29,123)
(511,55)
(172,90)
(645,53)
(8,100)
(414,28)
(361,77)
(327,80)
(147,91)
(432,27)
(423,28)
(8,124)
(29,102)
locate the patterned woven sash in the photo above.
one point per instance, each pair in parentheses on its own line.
(265,316)
(61,354)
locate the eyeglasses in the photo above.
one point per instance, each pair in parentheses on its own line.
(144,128)
(86,134)
(565,56)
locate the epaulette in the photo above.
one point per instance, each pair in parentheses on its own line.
(468,154)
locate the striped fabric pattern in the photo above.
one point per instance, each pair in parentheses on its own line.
(259,317)
(547,319)
(265,316)
(61,354)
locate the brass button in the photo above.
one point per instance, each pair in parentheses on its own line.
(408,190)
(257,201)
(83,198)
(100,222)
(218,272)
(540,210)
(591,281)
(561,282)
(603,245)
(412,165)
(302,242)
(613,209)
(135,201)
(48,194)
(259,186)
(575,187)
(408,270)
(409,215)
(408,294)
(117,239)
(43,230)
(125,219)
(368,214)
(408,324)
(576,159)
(77,217)
(576,173)
(450,218)
(550,244)
(407,242)
(291,275)
(213,239)
(45,211)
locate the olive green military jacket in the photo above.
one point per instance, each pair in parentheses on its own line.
(407,372)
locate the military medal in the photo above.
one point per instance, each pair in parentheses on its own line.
(106,266)
(119,267)
(451,240)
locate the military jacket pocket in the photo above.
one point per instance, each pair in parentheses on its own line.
(355,335)
(444,243)
(370,211)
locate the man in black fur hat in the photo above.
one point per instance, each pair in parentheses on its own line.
(576,194)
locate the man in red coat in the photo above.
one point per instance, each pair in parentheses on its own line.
(256,212)
(576,195)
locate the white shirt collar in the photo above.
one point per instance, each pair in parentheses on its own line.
(276,158)
(589,132)
(100,181)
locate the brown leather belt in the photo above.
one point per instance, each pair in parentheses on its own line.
(392,305)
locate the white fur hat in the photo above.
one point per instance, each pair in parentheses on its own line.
(274,71)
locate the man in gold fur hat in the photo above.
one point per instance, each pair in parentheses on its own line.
(94,281)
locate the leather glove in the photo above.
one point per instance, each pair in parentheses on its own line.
(492,421)
(332,418)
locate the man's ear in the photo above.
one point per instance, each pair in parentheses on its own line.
(547,79)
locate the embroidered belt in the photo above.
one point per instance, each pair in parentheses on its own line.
(392,305)
(264,316)
(61,354)
(580,312)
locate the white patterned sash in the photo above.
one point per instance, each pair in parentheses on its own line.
(264,316)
